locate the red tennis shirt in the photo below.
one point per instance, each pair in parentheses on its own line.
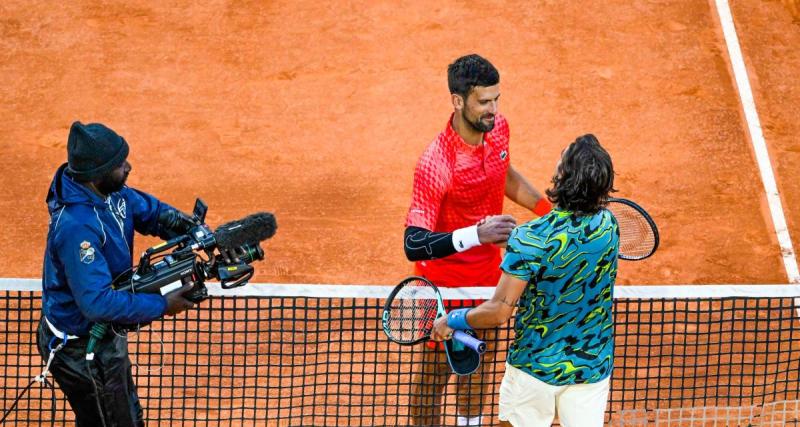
(455,186)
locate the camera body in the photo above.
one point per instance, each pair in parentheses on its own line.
(192,258)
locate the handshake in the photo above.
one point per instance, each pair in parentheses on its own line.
(496,228)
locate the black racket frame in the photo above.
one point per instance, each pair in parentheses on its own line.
(648,218)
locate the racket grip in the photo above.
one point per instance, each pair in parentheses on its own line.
(470,341)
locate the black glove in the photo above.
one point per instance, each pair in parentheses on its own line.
(174,223)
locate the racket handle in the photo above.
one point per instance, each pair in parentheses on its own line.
(470,341)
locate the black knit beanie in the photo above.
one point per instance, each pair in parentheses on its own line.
(93,150)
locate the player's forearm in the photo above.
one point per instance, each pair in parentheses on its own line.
(421,244)
(490,314)
(520,191)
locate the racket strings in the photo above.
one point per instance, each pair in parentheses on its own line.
(640,236)
(413,311)
(637,237)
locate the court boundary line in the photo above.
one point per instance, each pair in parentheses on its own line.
(292,290)
(757,139)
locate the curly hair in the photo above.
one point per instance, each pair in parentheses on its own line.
(469,71)
(584,178)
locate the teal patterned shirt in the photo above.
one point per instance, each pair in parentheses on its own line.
(564,325)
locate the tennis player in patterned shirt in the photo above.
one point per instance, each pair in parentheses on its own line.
(455,219)
(559,273)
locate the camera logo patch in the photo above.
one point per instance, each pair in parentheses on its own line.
(87,252)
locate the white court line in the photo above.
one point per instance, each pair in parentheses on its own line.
(759,145)
(382,291)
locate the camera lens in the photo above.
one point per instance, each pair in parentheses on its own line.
(252,253)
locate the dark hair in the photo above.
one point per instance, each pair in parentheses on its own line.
(469,71)
(585,177)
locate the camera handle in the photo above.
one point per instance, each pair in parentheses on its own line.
(235,275)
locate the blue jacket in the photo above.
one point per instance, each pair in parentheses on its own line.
(89,243)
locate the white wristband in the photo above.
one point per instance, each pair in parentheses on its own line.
(465,238)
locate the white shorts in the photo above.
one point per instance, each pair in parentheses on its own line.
(528,402)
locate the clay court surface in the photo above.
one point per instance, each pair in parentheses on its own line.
(318,112)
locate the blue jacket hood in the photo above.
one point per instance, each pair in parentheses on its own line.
(64,191)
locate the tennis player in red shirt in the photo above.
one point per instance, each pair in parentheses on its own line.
(455,220)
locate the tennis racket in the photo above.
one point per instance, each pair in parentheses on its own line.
(638,235)
(410,311)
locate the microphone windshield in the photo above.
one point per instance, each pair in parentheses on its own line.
(249,230)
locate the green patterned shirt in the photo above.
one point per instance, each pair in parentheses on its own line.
(564,325)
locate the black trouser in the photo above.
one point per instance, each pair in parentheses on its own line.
(110,372)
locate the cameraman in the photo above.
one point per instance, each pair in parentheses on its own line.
(90,242)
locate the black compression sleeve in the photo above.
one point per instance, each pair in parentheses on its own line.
(421,244)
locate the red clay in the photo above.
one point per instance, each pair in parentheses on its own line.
(770,34)
(318,113)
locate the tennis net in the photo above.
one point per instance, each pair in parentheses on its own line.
(315,355)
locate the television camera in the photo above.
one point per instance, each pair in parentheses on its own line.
(195,257)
